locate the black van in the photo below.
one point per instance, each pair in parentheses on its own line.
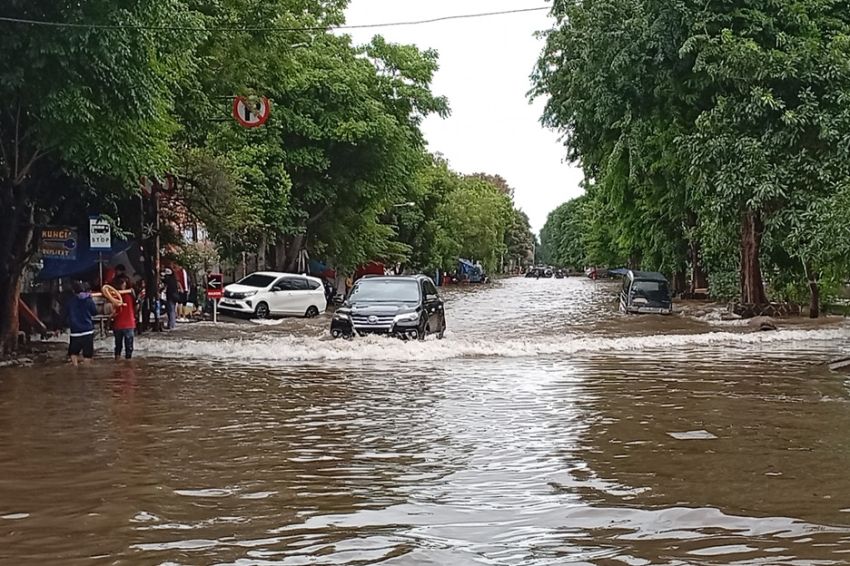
(645,292)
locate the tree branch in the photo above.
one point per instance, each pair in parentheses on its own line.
(197,200)
(4,156)
(318,215)
(17,138)
(37,154)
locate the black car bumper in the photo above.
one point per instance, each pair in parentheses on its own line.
(343,327)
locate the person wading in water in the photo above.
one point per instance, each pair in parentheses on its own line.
(124,323)
(81,311)
(172,296)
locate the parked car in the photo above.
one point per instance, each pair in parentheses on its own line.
(406,307)
(645,292)
(267,293)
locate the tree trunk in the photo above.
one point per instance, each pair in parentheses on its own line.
(292,252)
(679,282)
(279,255)
(699,278)
(10,284)
(752,285)
(10,291)
(262,265)
(814,289)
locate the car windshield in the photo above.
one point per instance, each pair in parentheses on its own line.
(655,290)
(255,280)
(402,290)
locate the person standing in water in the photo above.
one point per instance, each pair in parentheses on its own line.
(81,311)
(124,323)
(172,296)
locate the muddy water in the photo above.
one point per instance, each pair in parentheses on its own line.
(545,429)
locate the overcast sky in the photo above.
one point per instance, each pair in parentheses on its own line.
(484,71)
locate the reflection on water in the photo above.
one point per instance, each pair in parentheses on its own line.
(550,441)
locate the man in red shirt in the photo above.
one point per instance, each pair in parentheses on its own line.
(124,323)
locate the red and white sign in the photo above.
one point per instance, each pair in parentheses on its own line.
(215,286)
(251,113)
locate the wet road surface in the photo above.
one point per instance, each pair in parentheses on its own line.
(545,429)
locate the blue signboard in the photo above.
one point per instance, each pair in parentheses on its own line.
(59,243)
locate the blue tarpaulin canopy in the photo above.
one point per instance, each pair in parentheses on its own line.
(85,262)
(316,266)
(470,271)
(465,266)
(320,269)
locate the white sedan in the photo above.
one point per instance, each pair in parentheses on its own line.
(267,293)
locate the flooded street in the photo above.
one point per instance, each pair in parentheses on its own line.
(545,429)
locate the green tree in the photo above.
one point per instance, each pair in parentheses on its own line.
(564,237)
(701,125)
(620,111)
(777,134)
(519,239)
(343,138)
(81,107)
(473,219)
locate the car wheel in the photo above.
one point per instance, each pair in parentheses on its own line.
(262,311)
(312,312)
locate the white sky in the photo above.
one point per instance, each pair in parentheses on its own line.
(485,65)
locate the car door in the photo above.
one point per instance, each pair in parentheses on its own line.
(280,296)
(300,296)
(316,296)
(433,305)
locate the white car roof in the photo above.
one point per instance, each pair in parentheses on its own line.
(281,274)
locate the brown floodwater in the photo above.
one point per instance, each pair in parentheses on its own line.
(545,429)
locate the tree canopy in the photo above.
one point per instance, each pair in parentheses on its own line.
(709,132)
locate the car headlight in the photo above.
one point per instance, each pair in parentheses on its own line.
(409,317)
(244,295)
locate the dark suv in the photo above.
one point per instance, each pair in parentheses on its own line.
(407,307)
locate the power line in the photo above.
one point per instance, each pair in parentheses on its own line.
(74,25)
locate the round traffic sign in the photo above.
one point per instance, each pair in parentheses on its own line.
(251,113)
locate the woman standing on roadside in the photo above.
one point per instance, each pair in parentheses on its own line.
(124,323)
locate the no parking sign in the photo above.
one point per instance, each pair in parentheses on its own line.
(251,113)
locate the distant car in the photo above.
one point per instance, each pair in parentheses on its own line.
(406,307)
(540,271)
(645,292)
(267,293)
